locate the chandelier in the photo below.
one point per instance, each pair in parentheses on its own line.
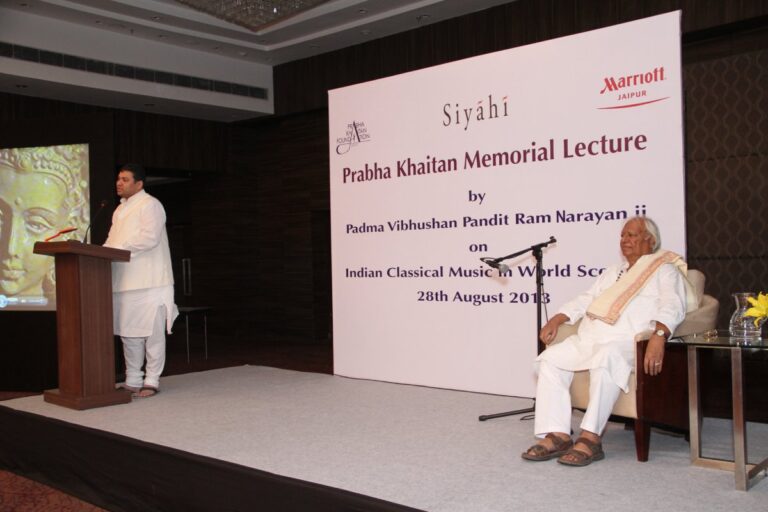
(252,14)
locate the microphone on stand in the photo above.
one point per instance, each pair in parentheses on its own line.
(102,205)
(497,262)
(494,263)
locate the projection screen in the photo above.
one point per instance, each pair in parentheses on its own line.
(44,192)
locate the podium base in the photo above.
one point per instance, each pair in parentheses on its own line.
(118,396)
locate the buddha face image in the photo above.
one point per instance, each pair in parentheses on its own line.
(36,202)
(32,208)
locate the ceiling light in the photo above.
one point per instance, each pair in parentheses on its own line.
(21,86)
(252,14)
(422,17)
(365,32)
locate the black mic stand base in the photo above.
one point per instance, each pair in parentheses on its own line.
(508,413)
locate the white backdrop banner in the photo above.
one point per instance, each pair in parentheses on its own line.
(434,169)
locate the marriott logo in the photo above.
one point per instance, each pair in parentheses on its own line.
(614,83)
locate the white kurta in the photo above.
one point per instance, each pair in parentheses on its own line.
(601,345)
(145,283)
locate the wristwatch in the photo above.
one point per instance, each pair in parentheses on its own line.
(662,333)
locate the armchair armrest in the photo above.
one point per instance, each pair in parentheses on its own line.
(698,320)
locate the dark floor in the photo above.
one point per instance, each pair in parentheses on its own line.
(19,494)
(222,353)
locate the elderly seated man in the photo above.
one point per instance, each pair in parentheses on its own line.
(647,291)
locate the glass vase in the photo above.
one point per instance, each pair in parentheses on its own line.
(744,326)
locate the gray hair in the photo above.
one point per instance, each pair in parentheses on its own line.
(652,228)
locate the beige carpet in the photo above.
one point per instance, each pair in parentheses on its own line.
(417,446)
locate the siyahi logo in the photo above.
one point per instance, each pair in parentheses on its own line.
(356,133)
(632,90)
(455,114)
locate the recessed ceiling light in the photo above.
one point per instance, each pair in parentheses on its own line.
(21,86)
(365,32)
(242,54)
(156,18)
(161,36)
(98,22)
(362,11)
(422,17)
(217,47)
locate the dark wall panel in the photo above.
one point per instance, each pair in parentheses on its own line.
(157,141)
(726,117)
(302,85)
(252,244)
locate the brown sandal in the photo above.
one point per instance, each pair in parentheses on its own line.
(579,458)
(539,452)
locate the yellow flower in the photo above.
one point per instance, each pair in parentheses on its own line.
(759,307)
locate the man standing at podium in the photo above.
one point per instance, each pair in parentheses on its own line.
(142,288)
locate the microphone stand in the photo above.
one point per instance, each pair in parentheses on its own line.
(539,256)
(102,205)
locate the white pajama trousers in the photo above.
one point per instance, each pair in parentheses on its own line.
(553,400)
(134,350)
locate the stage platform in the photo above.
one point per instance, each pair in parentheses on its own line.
(258,438)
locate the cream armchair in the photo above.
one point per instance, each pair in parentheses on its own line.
(661,400)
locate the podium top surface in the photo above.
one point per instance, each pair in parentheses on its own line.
(79,248)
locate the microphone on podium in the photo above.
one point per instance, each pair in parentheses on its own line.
(102,205)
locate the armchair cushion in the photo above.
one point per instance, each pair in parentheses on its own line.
(696,279)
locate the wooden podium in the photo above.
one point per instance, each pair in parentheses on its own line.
(84,324)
